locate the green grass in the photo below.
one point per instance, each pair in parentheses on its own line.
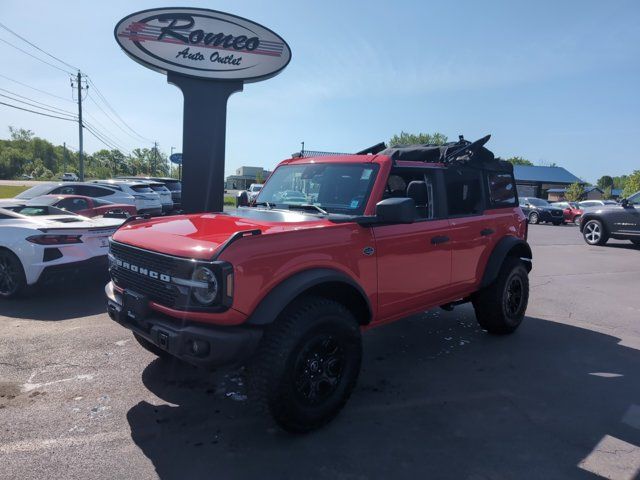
(229,200)
(10,191)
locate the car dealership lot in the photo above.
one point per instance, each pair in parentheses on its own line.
(558,399)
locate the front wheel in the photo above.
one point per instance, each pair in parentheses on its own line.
(593,233)
(534,218)
(12,279)
(307,364)
(501,306)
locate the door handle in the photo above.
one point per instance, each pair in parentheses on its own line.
(439,239)
(487,231)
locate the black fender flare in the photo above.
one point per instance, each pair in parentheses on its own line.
(311,280)
(504,248)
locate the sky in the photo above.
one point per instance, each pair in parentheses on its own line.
(553,82)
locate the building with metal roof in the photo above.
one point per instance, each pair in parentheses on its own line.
(536,181)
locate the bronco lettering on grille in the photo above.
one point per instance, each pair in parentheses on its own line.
(142,271)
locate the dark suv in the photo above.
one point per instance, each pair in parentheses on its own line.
(621,221)
(538,210)
(289,285)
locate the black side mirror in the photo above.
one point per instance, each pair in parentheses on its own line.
(396,210)
(242,200)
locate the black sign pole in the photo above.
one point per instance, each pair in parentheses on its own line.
(203,140)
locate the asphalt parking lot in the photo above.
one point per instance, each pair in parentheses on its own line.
(437,397)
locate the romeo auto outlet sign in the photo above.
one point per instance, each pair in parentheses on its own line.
(202,43)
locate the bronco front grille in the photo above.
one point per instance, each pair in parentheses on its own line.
(146,272)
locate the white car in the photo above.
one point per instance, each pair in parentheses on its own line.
(69,177)
(39,248)
(146,200)
(254,190)
(164,193)
(76,188)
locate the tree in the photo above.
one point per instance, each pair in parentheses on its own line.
(605,181)
(405,138)
(259,177)
(574,192)
(519,161)
(606,193)
(632,185)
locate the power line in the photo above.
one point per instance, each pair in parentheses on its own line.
(104,139)
(35,101)
(101,125)
(114,112)
(36,89)
(37,58)
(37,47)
(36,106)
(110,118)
(39,113)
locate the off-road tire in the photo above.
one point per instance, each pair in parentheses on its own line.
(594,233)
(15,283)
(576,219)
(496,308)
(534,218)
(281,375)
(157,351)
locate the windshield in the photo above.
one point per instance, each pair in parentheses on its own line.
(141,188)
(336,188)
(256,188)
(174,186)
(44,200)
(35,191)
(538,202)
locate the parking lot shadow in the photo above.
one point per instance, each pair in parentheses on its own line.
(76,298)
(437,398)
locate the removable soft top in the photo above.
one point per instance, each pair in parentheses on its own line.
(453,153)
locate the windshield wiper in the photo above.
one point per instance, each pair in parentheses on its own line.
(265,204)
(309,206)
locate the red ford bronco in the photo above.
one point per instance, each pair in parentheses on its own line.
(332,246)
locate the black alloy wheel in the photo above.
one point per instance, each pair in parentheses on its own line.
(12,279)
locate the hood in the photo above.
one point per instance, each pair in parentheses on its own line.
(200,235)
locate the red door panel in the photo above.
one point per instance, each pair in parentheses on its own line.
(472,241)
(412,271)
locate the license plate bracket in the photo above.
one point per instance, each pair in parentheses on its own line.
(135,305)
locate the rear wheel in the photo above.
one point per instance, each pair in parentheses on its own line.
(307,364)
(534,218)
(501,306)
(593,233)
(576,219)
(12,278)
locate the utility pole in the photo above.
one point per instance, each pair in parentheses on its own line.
(155,159)
(80,156)
(64,157)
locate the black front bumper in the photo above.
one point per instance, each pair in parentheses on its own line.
(91,268)
(199,344)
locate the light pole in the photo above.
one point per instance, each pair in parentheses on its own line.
(172,149)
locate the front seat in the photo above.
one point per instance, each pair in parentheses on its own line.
(418,191)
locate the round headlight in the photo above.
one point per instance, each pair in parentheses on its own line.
(205,295)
